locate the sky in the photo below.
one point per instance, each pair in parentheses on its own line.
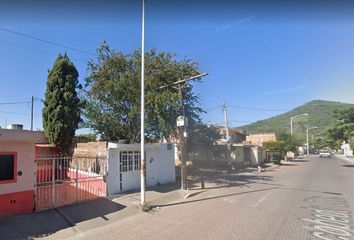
(263,57)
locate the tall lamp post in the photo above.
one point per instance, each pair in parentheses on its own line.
(307,139)
(291,121)
(142,111)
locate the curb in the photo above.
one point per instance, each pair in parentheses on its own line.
(192,194)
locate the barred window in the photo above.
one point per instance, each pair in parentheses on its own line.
(137,160)
(124,162)
(130,161)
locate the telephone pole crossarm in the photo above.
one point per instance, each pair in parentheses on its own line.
(182,127)
(179,82)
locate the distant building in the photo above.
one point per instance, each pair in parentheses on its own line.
(235,135)
(259,139)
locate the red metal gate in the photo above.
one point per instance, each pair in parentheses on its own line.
(66,180)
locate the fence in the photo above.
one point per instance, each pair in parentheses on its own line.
(66,180)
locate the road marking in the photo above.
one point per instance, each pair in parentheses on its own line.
(330,220)
(261,199)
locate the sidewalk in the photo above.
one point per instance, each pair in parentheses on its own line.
(69,220)
(347,158)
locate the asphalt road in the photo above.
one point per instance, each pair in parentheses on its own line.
(309,198)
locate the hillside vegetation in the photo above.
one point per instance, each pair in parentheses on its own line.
(320,114)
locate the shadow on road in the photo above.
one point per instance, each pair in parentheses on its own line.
(216,197)
(165,188)
(45,223)
(288,165)
(348,166)
(299,160)
(223,179)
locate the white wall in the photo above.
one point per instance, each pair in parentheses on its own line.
(347,151)
(254,156)
(160,167)
(25,163)
(112,178)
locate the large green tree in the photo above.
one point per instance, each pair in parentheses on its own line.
(275,148)
(202,135)
(61,112)
(290,142)
(343,130)
(112,94)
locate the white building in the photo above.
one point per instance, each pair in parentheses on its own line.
(347,151)
(124,166)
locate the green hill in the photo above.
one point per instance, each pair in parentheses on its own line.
(320,115)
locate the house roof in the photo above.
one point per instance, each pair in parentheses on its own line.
(22,136)
(231,130)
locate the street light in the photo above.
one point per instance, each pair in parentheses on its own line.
(142,110)
(291,121)
(307,138)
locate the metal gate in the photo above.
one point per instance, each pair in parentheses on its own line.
(66,180)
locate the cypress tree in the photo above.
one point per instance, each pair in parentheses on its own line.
(61,113)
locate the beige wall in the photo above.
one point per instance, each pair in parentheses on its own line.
(91,149)
(259,139)
(25,163)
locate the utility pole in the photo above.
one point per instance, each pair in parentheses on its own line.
(142,111)
(307,139)
(291,126)
(291,121)
(182,126)
(183,135)
(32,105)
(226,123)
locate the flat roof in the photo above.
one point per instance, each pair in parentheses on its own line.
(11,135)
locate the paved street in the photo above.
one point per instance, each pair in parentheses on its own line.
(305,199)
(308,198)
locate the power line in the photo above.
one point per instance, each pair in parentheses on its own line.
(35,49)
(13,103)
(258,109)
(16,113)
(30,48)
(248,115)
(21,102)
(46,41)
(241,121)
(214,108)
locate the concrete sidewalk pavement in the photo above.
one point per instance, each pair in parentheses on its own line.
(63,222)
(68,221)
(346,158)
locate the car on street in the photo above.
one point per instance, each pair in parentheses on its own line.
(325,153)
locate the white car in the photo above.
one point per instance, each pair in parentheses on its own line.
(325,153)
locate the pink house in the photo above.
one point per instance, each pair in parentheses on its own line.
(17,170)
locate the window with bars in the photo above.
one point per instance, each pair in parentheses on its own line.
(137,160)
(130,161)
(124,159)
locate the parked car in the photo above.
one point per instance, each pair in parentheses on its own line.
(325,153)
